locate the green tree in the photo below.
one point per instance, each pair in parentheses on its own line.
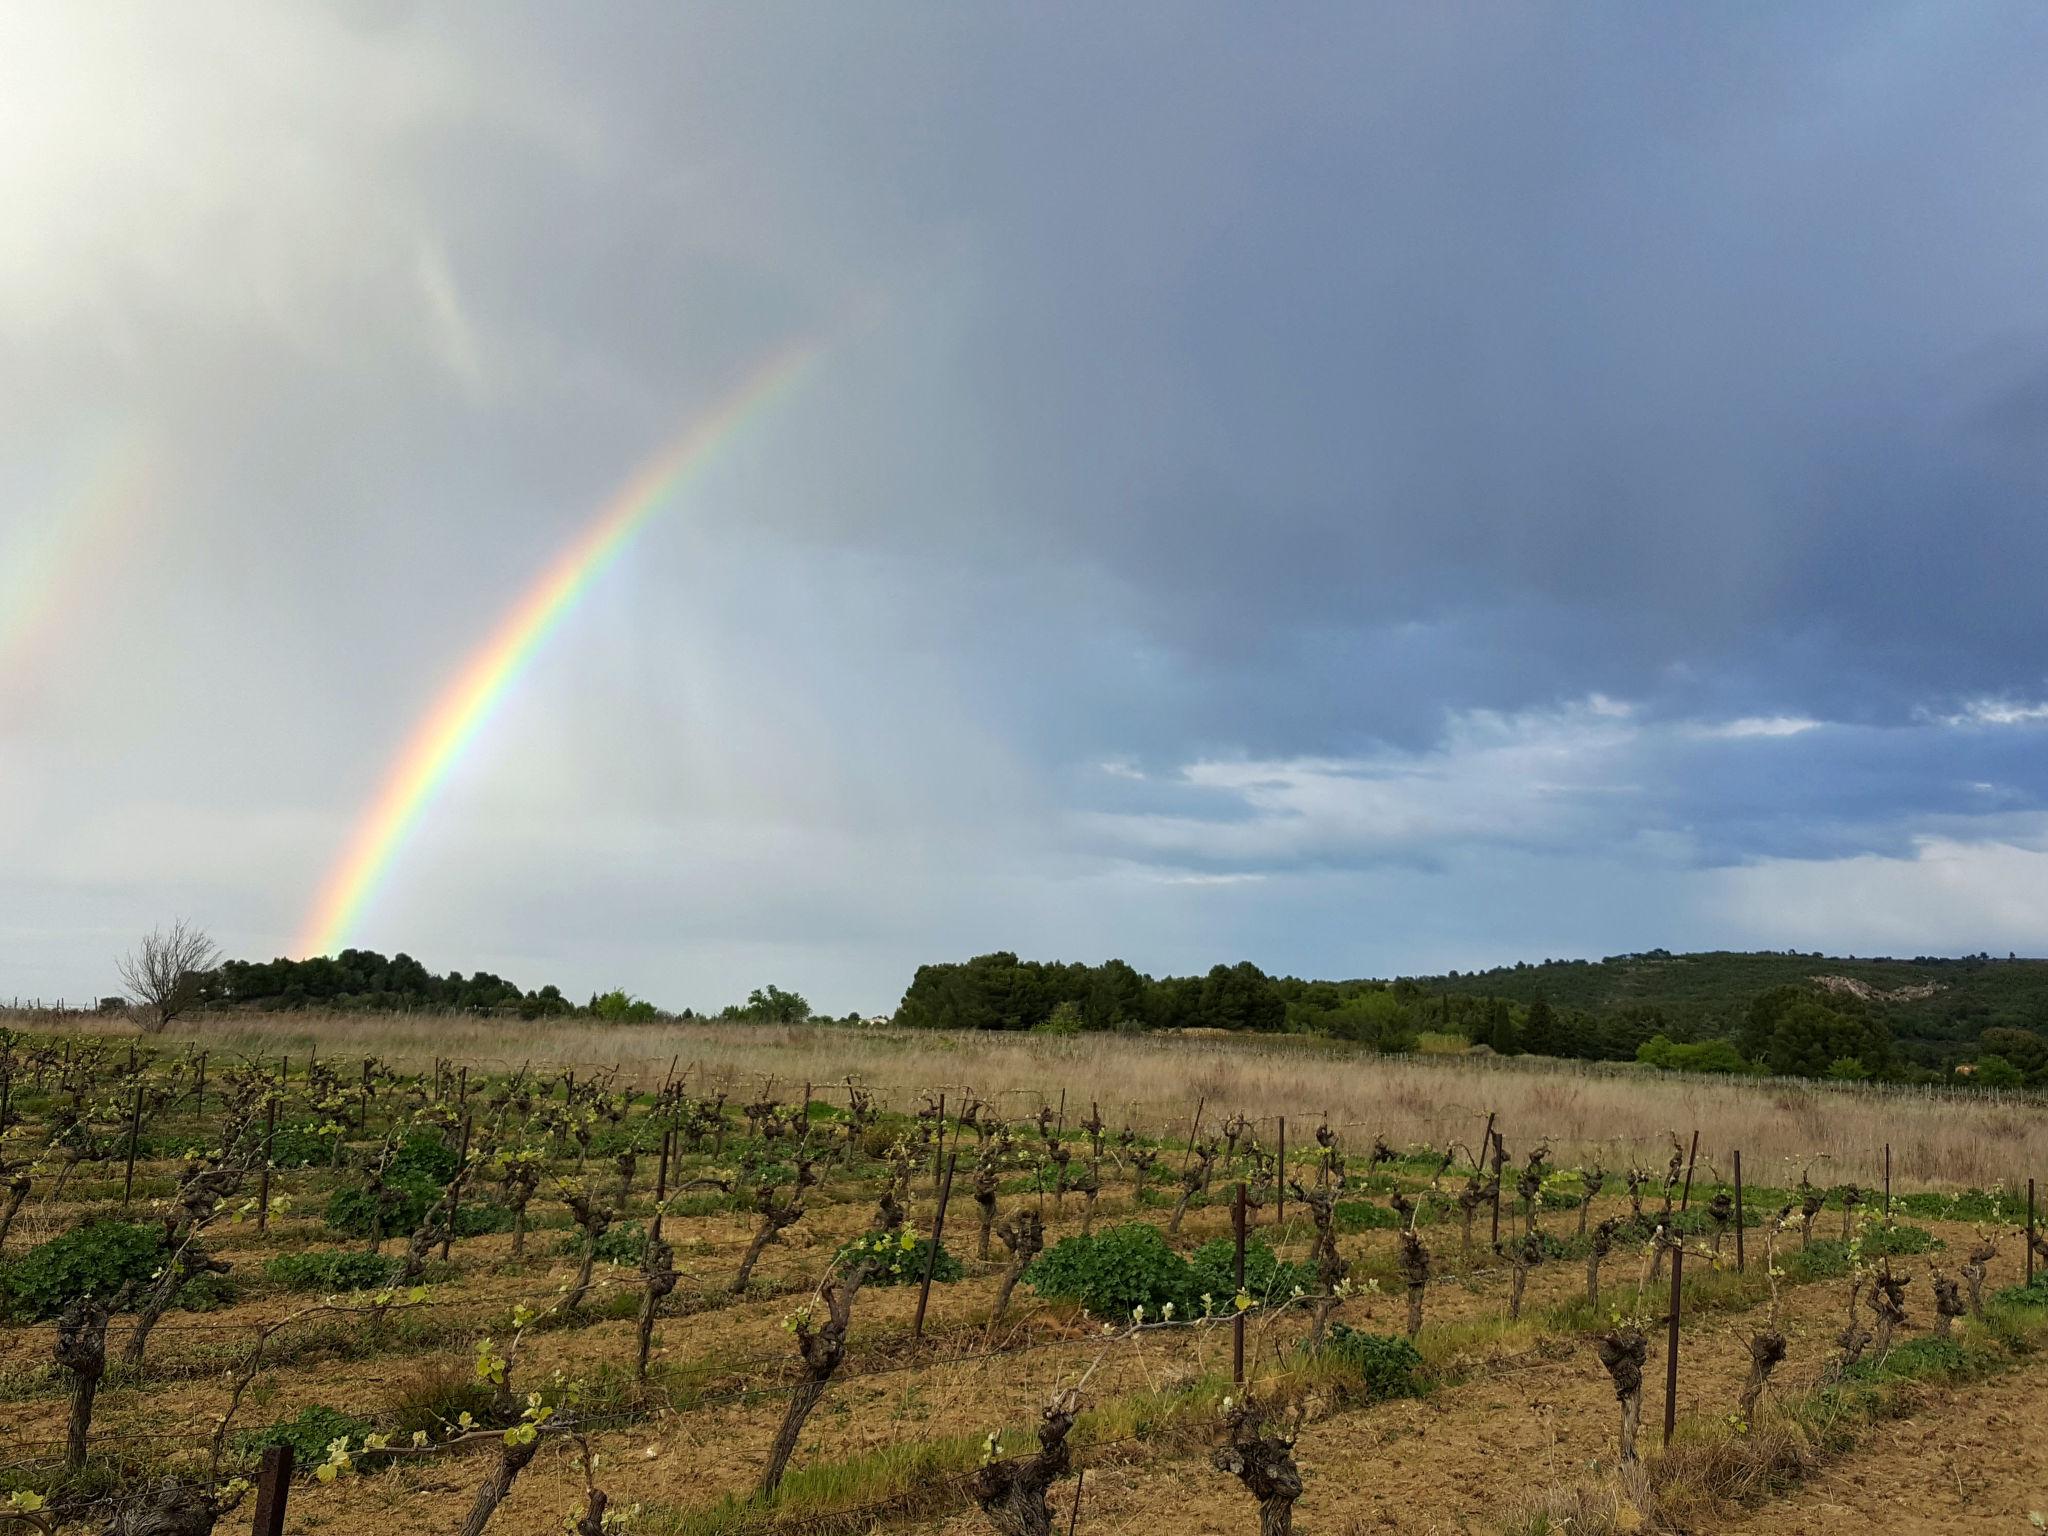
(1997,1072)
(1500,1026)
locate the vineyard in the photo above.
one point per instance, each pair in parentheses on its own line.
(338,1290)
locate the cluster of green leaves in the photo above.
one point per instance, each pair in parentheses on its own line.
(96,1258)
(419,1171)
(309,1434)
(1114,1273)
(622,1243)
(301,1144)
(2033,1294)
(1826,1257)
(329,1270)
(898,1258)
(1388,1365)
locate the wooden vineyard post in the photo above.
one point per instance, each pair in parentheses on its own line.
(2030,1231)
(931,1260)
(1671,1346)
(1194,1131)
(1692,1157)
(455,1199)
(134,1131)
(202,1082)
(263,1189)
(1887,1180)
(668,1141)
(939,1146)
(1280,1196)
(1740,1266)
(6,1092)
(1496,1160)
(273,1487)
(462,1088)
(1237,1322)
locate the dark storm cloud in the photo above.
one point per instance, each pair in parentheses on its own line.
(1446,463)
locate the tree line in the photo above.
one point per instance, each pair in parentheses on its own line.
(1788,1029)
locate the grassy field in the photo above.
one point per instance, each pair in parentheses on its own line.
(1939,1139)
(1502,1419)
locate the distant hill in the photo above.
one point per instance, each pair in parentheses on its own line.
(1931,1001)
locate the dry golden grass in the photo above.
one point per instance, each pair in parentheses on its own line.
(1939,1139)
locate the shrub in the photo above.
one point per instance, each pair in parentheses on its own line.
(301,1145)
(97,1257)
(1214,1271)
(309,1435)
(1113,1272)
(621,1244)
(437,1394)
(351,1208)
(428,1155)
(2033,1294)
(898,1262)
(330,1270)
(1388,1365)
(209,1292)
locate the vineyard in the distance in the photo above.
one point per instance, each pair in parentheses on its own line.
(334,1292)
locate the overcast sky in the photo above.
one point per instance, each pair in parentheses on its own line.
(1363,488)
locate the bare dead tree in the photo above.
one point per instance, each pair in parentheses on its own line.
(658,1274)
(776,1213)
(1023,1233)
(1853,1340)
(595,1218)
(1194,1179)
(1414,1263)
(822,1347)
(1331,1266)
(1852,1196)
(1263,1462)
(1012,1490)
(1948,1302)
(1976,1268)
(17,1177)
(1887,1305)
(1592,1178)
(1602,1243)
(1623,1353)
(1766,1345)
(1524,1255)
(171,1508)
(513,1455)
(80,1347)
(164,973)
(988,1165)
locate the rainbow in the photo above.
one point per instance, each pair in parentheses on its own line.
(45,574)
(460,711)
